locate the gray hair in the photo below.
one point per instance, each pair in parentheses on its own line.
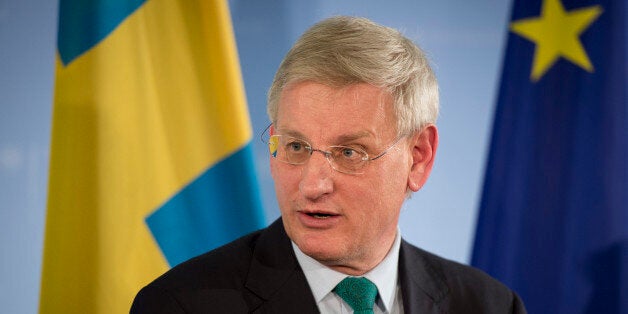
(342,50)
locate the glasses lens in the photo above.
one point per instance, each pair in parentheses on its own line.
(273,143)
(296,151)
(347,159)
(289,149)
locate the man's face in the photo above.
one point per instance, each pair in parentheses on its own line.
(347,222)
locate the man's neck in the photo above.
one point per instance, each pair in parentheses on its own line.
(322,278)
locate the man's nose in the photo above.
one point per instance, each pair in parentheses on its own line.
(316,178)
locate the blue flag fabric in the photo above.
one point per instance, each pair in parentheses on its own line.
(553,222)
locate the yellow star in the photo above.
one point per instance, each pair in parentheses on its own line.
(556,34)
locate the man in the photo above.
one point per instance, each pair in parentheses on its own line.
(353,107)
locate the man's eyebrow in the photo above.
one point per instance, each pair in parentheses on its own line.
(338,140)
(292,133)
(352,136)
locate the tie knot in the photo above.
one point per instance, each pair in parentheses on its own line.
(358,292)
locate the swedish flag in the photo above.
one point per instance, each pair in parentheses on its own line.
(151,161)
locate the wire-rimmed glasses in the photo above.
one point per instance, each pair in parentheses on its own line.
(345,159)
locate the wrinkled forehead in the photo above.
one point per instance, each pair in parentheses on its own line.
(314,110)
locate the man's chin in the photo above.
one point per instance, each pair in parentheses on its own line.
(325,254)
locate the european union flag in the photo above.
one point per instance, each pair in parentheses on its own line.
(553,221)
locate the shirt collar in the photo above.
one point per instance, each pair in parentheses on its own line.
(323,279)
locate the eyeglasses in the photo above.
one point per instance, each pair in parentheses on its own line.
(345,159)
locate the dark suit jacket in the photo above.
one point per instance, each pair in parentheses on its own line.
(259,273)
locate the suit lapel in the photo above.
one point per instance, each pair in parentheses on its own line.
(277,284)
(275,279)
(422,286)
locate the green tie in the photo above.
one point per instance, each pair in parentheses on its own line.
(359,293)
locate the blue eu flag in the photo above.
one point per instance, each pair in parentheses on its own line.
(553,221)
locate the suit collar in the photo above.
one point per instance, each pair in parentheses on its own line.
(277,282)
(275,276)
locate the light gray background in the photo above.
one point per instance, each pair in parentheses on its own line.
(464,40)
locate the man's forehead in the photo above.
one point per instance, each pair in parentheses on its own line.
(311,110)
(309,96)
(326,90)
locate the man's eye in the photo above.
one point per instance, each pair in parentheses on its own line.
(350,153)
(295,146)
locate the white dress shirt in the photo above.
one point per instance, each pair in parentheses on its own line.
(323,279)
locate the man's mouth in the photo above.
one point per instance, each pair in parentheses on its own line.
(319,215)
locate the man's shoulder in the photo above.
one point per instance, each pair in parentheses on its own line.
(229,262)
(214,280)
(457,286)
(446,269)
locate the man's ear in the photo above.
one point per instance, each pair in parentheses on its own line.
(424,144)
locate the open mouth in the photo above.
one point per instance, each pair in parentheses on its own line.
(320,215)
